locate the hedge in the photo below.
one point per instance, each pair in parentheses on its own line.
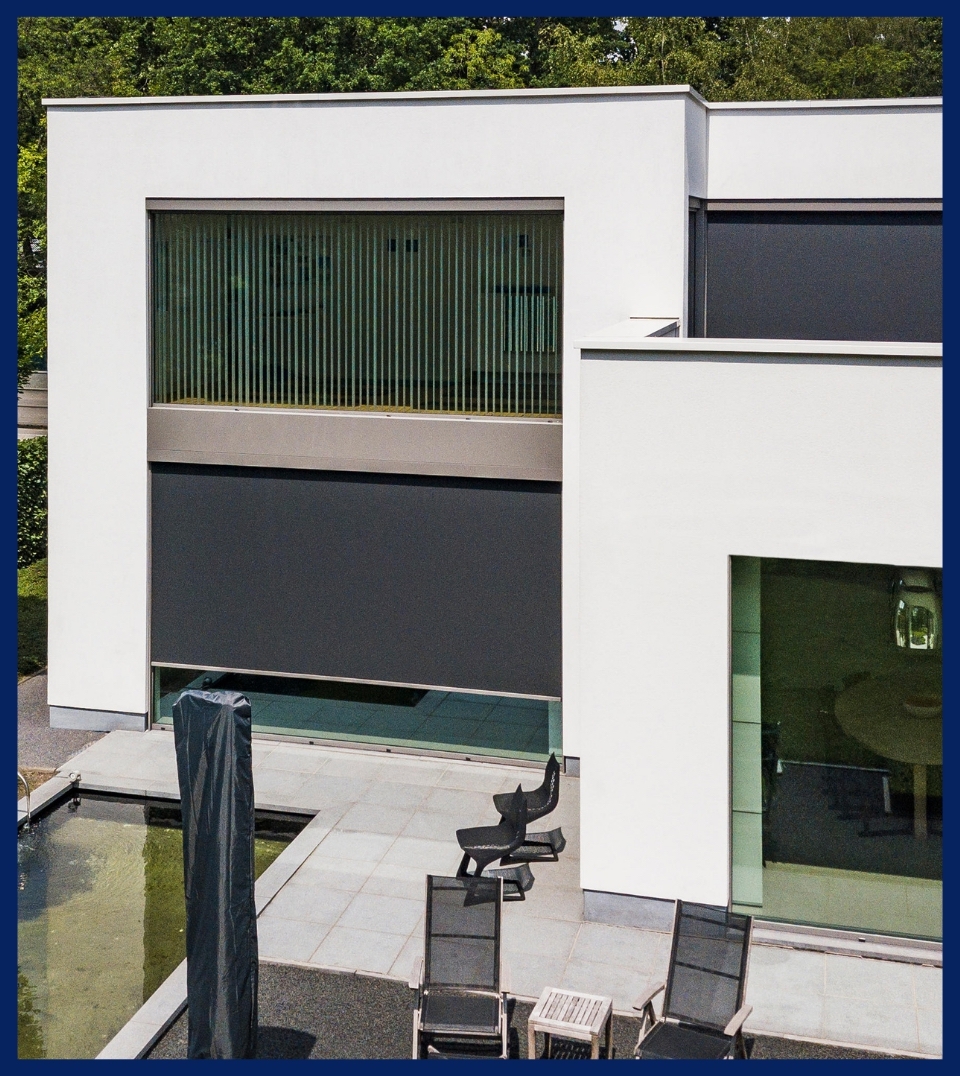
(31,500)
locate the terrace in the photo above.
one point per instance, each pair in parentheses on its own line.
(346,896)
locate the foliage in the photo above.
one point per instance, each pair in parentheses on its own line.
(31,260)
(31,500)
(722,58)
(828,58)
(751,59)
(31,618)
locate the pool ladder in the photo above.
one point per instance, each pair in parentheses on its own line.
(23,781)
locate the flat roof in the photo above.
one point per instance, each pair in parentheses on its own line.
(426,96)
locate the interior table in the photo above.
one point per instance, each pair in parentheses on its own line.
(570,1015)
(873,713)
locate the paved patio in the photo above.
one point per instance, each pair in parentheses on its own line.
(350,893)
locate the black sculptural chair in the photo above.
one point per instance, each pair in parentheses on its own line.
(461,1002)
(541,801)
(484,844)
(703,1009)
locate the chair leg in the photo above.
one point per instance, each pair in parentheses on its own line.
(516,879)
(416,1034)
(463,870)
(538,848)
(504,1033)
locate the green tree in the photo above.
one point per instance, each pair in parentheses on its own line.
(31,260)
(31,500)
(752,59)
(831,58)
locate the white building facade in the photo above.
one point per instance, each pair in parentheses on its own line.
(602,422)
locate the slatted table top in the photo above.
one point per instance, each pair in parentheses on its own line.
(570,1014)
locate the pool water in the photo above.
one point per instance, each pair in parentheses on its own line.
(101,916)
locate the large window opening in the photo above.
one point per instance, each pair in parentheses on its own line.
(449,722)
(837,756)
(425,312)
(818,275)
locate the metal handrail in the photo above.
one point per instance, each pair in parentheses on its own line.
(23,781)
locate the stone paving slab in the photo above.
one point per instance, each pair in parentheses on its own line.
(350,903)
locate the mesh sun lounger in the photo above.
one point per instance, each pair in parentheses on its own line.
(460,1009)
(703,1009)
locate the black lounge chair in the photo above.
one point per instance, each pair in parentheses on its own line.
(703,1009)
(484,844)
(461,1001)
(541,801)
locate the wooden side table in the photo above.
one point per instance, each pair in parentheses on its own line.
(570,1015)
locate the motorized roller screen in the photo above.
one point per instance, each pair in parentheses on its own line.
(400,579)
(825,275)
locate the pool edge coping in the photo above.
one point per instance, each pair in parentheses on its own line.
(45,794)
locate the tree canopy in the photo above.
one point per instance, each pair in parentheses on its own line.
(723,59)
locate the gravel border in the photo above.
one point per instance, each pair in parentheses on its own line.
(307,1013)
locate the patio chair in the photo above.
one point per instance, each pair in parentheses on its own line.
(461,1001)
(484,844)
(541,801)
(703,1009)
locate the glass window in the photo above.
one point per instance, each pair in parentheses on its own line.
(837,756)
(448,312)
(462,723)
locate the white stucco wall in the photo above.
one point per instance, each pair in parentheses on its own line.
(683,464)
(867,149)
(617,159)
(624,161)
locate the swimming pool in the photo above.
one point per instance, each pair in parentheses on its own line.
(101,915)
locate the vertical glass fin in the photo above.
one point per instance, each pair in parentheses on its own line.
(448,312)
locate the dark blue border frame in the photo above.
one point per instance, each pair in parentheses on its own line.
(8,271)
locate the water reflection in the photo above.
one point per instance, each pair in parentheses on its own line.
(100,918)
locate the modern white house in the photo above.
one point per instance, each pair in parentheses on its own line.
(603,422)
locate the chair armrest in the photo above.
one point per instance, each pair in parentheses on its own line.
(738,1018)
(645,998)
(416,976)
